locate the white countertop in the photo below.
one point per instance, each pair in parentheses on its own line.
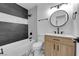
(61,35)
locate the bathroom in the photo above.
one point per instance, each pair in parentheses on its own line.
(24,27)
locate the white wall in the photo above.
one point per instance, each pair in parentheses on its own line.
(43,11)
(32,21)
(76,21)
(43,26)
(68,28)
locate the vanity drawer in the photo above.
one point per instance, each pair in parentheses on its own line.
(67,41)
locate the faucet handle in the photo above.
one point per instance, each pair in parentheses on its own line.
(55,32)
(61,32)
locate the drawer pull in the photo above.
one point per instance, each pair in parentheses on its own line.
(57,47)
(54,47)
(56,39)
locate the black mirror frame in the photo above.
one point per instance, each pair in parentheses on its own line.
(62,24)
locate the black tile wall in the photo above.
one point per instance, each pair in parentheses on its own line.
(12,32)
(14,9)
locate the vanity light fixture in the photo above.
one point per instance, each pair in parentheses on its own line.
(58,6)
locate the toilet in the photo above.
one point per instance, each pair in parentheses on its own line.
(37,48)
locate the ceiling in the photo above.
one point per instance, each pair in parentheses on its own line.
(31,5)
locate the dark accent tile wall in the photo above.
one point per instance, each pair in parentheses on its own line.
(12,32)
(14,9)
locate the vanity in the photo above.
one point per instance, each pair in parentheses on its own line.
(59,45)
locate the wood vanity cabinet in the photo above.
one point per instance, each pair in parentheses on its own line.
(59,46)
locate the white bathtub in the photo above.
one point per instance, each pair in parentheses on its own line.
(18,48)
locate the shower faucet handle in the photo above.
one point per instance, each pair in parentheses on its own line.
(30,37)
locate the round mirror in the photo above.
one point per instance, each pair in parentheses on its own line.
(59,18)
